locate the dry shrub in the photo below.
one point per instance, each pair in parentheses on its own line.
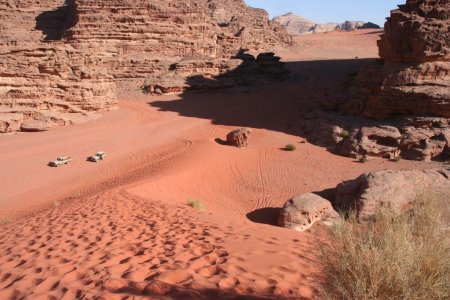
(195,204)
(394,257)
(290,147)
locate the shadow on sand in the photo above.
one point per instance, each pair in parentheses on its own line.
(273,106)
(267,215)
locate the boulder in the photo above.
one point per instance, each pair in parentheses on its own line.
(239,137)
(377,141)
(303,211)
(394,189)
(35,126)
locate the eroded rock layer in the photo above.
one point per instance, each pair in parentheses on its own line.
(416,50)
(43,81)
(397,107)
(60,60)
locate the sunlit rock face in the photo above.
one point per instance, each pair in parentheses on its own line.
(416,50)
(60,60)
(398,106)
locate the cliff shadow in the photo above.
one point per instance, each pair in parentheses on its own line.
(234,99)
(55,22)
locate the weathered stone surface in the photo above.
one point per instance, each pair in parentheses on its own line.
(169,41)
(378,141)
(399,106)
(416,48)
(414,138)
(10,122)
(65,57)
(48,83)
(303,211)
(394,189)
(295,24)
(239,137)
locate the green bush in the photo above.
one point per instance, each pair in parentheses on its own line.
(344,134)
(394,257)
(290,147)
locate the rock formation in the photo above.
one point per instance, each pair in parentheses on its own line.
(400,105)
(303,211)
(297,25)
(239,137)
(396,190)
(60,60)
(416,50)
(45,84)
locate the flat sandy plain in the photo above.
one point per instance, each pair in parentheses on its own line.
(121,229)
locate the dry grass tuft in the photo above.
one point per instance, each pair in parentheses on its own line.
(195,204)
(394,257)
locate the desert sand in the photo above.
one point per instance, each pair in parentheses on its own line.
(121,228)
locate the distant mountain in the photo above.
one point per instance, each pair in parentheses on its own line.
(297,25)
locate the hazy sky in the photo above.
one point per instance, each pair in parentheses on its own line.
(322,11)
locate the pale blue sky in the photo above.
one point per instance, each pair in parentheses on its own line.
(322,11)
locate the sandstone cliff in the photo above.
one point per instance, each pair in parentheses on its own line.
(409,89)
(416,50)
(60,60)
(398,106)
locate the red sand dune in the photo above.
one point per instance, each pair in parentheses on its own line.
(122,228)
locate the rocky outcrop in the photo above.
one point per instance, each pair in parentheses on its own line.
(45,84)
(243,70)
(60,60)
(414,138)
(398,106)
(239,137)
(416,50)
(396,190)
(297,25)
(302,212)
(166,42)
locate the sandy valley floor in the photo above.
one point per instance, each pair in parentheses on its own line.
(121,228)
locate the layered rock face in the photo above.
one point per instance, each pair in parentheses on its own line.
(166,42)
(42,83)
(416,50)
(60,60)
(399,106)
